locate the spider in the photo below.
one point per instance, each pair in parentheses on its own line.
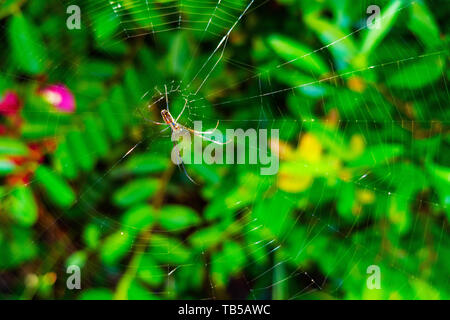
(177,127)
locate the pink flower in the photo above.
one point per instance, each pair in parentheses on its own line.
(10,104)
(60,97)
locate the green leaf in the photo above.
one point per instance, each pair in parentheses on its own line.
(21,247)
(119,105)
(143,164)
(79,151)
(205,171)
(400,201)
(168,250)
(217,209)
(264,210)
(105,23)
(332,139)
(133,86)
(115,247)
(137,291)
(425,291)
(227,262)
(138,217)
(91,235)
(346,200)
(95,136)
(56,187)
(207,237)
(148,63)
(374,36)
(303,83)
(78,258)
(12,147)
(6,167)
(35,131)
(191,276)
(135,191)
(399,212)
(343,48)
(176,218)
(440,178)
(23,206)
(378,155)
(418,74)
(111,121)
(26,45)
(423,24)
(300,55)
(149,272)
(96,294)
(64,162)
(234,255)
(8,7)
(179,55)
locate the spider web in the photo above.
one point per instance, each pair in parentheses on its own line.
(273,87)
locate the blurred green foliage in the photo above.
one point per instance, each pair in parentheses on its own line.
(364,174)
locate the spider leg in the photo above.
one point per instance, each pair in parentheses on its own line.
(151,105)
(206,138)
(182,110)
(149,120)
(155,122)
(167,99)
(182,167)
(203,132)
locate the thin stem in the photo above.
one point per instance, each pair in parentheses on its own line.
(142,242)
